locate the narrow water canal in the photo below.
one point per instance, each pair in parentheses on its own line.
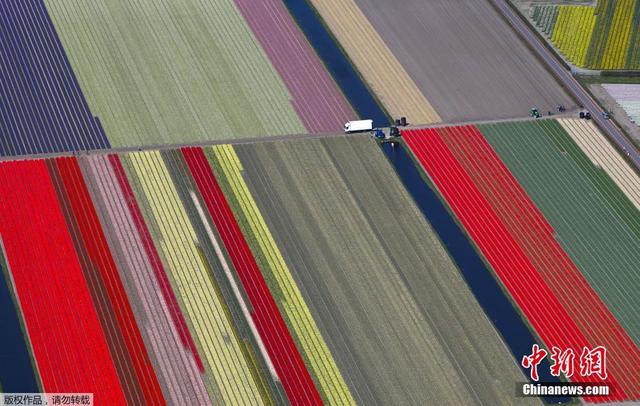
(486,289)
(338,65)
(16,372)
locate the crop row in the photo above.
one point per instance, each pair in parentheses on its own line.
(43,109)
(229,375)
(270,325)
(606,36)
(594,220)
(386,76)
(112,305)
(160,279)
(545,16)
(386,296)
(315,96)
(602,154)
(174,72)
(281,283)
(572,32)
(69,343)
(154,83)
(541,277)
(162,323)
(552,262)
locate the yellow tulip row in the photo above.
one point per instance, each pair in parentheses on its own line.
(593,37)
(615,53)
(232,380)
(572,32)
(291,303)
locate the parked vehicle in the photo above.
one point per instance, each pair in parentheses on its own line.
(358,126)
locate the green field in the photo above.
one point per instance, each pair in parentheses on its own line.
(164,72)
(595,222)
(606,36)
(401,323)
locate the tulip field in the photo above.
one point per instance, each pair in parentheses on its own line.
(161,83)
(568,268)
(70,344)
(183,220)
(606,36)
(189,346)
(43,109)
(356,265)
(278,277)
(175,265)
(82,75)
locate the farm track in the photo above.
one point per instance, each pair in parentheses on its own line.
(344,251)
(288,364)
(229,376)
(567,80)
(72,356)
(43,109)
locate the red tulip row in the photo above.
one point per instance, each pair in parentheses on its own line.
(69,345)
(537,239)
(87,309)
(520,246)
(280,347)
(127,348)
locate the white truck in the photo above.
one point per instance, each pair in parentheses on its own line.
(358,126)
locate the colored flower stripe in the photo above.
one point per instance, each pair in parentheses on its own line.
(176,366)
(291,303)
(600,37)
(229,374)
(572,32)
(386,76)
(96,284)
(43,109)
(535,236)
(543,309)
(156,263)
(602,154)
(288,363)
(615,53)
(123,327)
(315,97)
(69,346)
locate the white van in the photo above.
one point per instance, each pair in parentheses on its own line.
(358,126)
